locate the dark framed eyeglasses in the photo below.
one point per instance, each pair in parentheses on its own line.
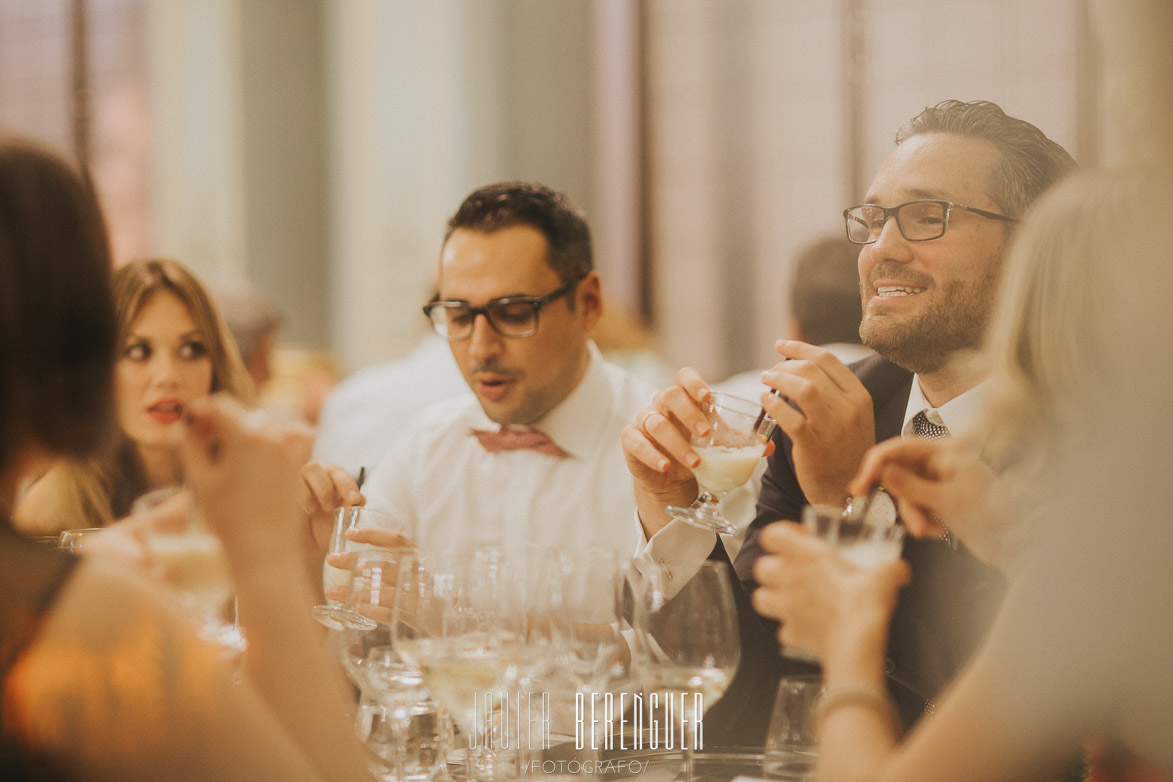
(919,221)
(510,316)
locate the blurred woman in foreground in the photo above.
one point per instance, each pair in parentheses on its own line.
(174,350)
(98,680)
(1077,440)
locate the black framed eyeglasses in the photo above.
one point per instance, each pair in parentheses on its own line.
(919,221)
(510,316)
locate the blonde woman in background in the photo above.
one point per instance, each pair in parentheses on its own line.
(174,349)
(1078,442)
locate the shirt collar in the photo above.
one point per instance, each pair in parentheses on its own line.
(575,422)
(955,415)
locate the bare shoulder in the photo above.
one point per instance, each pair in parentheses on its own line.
(48,506)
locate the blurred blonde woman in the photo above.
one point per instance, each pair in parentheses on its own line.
(174,349)
(1078,440)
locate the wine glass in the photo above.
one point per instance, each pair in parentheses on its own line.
(195,565)
(72,540)
(738,433)
(395,709)
(397,719)
(687,646)
(370,594)
(459,620)
(335,579)
(587,618)
(586,670)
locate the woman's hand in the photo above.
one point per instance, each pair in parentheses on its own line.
(826,604)
(243,471)
(939,485)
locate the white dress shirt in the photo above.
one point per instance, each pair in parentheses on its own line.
(955,415)
(438,478)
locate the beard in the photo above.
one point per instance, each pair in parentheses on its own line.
(924,343)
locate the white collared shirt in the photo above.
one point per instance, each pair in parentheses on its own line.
(955,415)
(438,480)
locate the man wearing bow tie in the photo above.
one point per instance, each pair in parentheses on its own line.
(535,455)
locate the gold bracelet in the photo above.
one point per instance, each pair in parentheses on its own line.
(858,695)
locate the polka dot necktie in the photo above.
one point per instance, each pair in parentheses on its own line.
(923,427)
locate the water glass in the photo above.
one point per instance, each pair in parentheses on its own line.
(856,540)
(790,745)
(336,580)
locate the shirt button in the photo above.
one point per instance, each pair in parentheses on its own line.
(889,666)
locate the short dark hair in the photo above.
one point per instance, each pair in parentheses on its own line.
(57,323)
(824,292)
(504,204)
(1031,162)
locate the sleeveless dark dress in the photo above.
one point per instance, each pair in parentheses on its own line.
(31,577)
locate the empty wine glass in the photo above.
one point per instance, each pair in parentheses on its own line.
(687,646)
(336,578)
(738,433)
(458,619)
(398,720)
(588,616)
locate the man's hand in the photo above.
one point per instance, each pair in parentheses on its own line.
(939,484)
(836,425)
(658,452)
(323,488)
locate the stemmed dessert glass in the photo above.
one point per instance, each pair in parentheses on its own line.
(738,433)
(687,647)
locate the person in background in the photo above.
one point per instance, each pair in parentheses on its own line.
(99,680)
(174,350)
(824,309)
(533,454)
(255,324)
(1061,484)
(932,232)
(366,412)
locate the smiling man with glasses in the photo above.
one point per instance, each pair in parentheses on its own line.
(932,230)
(534,455)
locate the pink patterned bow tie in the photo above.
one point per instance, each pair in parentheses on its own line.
(513,438)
